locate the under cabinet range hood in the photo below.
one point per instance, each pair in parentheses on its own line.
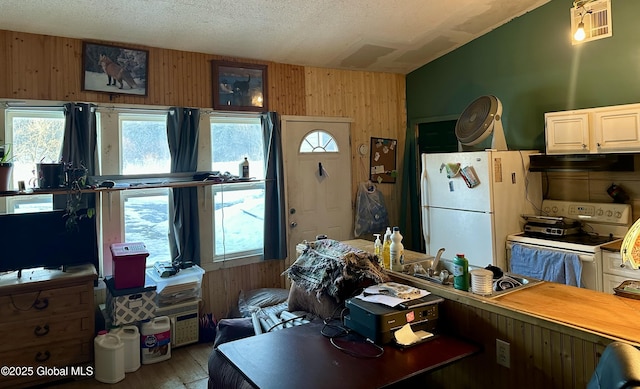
(581,163)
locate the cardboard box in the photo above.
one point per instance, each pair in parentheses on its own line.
(126,306)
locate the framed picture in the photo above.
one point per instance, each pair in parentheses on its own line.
(239,87)
(114,69)
(383,160)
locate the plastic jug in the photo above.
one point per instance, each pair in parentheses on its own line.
(130,336)
(155,340)
(396,250)
(109,358)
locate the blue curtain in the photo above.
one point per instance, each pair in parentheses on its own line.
(275,222)
(182,135)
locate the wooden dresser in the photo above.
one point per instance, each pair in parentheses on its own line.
(46,321)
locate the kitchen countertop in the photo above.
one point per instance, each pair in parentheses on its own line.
(613,246)
(601,313)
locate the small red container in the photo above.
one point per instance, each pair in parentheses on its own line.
(129,262)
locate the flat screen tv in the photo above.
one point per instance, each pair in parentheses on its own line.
(40,239)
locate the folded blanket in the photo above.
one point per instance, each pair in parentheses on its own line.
(548,265)
(326,264)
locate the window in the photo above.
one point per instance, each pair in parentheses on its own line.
(36,136)
(144,150)
(238,222)
(318,141)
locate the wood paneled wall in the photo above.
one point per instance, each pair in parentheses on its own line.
(39,67)
(543,354)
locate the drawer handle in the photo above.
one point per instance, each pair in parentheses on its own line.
(41,331)
(41,357)
(622,265)
(41,304)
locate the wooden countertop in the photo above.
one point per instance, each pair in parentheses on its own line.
(613,246)
(599,312)
(596,312)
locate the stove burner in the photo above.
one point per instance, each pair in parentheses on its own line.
(582,238)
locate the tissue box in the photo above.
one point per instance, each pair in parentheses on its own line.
(126,306)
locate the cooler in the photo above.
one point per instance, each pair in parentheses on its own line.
(129,262)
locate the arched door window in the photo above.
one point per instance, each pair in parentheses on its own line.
(318,141)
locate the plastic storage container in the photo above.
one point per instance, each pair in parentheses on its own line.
(184,286)
(130,336)
(129,262)
(109,358)
(155,340)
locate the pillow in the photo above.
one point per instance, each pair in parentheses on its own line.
(233,329)
(323,306)
(259,298)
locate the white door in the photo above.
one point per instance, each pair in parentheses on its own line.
(317,164)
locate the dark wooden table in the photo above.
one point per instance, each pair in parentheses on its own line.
(301,357)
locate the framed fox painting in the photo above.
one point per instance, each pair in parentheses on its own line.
(239,86)
(114,69)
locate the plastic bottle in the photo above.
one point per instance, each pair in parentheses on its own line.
(386,255)
(377,247)
(108,358)
(461,273)
(396,250)
(244,168)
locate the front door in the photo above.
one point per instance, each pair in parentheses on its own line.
(317,163)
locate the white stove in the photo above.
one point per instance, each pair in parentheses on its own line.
(600,223)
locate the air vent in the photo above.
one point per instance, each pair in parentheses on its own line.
(596,16)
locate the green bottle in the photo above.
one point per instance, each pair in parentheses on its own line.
(461,273)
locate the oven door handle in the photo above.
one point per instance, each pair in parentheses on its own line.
(583,257)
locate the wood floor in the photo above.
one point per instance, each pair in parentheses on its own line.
(187,368)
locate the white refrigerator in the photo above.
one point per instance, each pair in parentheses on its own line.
(474,218)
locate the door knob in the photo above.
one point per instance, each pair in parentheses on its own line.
(293,224)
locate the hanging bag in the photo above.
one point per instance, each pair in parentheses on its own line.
(371,212)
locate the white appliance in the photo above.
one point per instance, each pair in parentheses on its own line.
(601,223)
(474,220)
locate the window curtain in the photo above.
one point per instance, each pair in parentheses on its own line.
(410,200)
(275,230)
(79,146)
(182,135)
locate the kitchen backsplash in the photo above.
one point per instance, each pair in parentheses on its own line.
(592,186)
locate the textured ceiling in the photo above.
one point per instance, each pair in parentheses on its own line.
(395,36)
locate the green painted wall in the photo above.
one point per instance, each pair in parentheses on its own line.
(531,66)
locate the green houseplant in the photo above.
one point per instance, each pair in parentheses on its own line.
(5,166)
(76,206)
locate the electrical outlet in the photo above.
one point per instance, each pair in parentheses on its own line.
(503,354)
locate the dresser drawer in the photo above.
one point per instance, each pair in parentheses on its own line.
(24,306)
(612,264)
(58,354)
(38,332)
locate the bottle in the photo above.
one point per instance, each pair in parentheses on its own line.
(244,168)
(461,273)
(396,250)
(377,247)
(386,243)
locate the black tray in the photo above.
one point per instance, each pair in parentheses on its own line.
(619,290)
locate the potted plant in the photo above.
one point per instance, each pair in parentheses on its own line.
(76,207)
(5,166)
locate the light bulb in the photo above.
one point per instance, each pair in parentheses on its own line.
(579,35)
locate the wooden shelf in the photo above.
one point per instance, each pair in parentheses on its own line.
(129,186)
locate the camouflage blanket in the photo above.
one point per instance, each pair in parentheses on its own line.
(325,265)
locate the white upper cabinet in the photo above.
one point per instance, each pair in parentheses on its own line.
(617,130)
(613,129)
(567,132)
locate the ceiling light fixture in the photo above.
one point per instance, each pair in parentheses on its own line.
(580,34)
